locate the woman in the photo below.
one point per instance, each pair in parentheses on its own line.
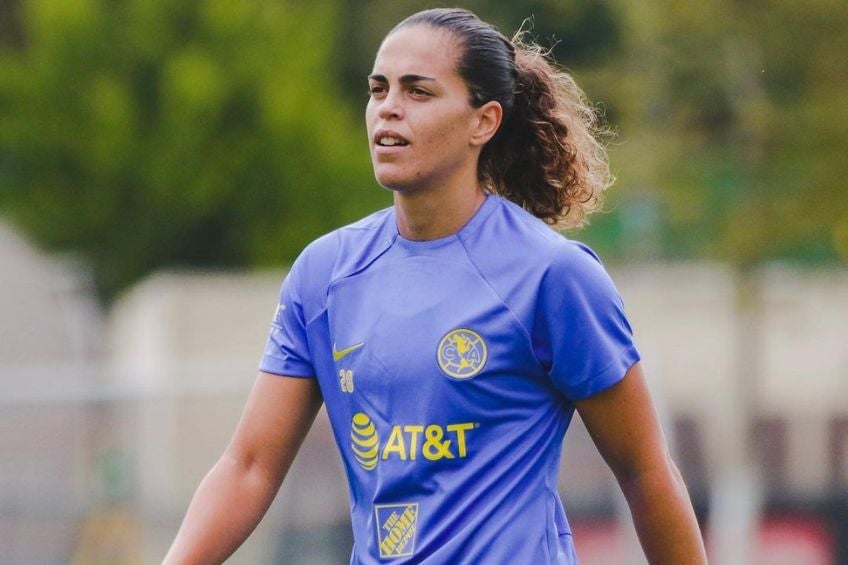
(453,335)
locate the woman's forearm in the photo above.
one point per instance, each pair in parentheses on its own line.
(237,492)
(663,516)
(225,509)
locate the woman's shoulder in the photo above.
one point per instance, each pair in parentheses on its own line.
(344,249)
(540,241)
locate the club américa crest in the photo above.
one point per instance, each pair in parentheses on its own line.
(462,353)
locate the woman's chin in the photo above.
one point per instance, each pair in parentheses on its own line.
(395,184)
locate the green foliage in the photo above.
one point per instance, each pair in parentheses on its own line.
(144,133)
(730,120)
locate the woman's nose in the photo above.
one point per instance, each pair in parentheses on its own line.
(391,107)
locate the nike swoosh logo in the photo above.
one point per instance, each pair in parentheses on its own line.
(341,353)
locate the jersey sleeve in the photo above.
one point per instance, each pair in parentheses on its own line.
(287,347)
(581,333)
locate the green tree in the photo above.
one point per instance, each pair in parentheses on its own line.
(144,133)
(729,131)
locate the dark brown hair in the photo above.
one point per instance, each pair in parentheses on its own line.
(547,155)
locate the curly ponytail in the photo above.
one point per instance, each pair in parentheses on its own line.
(547,156)
(550,159)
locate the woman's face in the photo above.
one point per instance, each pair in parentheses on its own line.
(419,119)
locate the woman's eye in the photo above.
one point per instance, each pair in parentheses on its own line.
(419,92)
(374,90)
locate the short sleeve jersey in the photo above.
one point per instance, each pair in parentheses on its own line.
(449,369)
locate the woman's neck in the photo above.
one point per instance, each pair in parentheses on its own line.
(431,214)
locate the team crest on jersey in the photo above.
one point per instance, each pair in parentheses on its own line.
(364,441)
(396,526)
(462,353)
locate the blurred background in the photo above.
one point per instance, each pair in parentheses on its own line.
(163,162)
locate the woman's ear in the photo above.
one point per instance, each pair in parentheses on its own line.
(487,119)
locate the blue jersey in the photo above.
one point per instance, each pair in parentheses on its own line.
(449,370)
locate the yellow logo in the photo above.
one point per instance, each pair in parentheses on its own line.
(341,353)
(408,442)
(396,525)
(364,441)
(433,442)
(462,354)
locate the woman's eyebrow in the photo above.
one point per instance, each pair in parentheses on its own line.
(405,79)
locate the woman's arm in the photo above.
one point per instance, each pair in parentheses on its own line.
(625,428)
(237,492)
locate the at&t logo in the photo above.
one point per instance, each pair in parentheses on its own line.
(364,441)
(408,442)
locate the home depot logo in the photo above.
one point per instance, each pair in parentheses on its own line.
(396,527)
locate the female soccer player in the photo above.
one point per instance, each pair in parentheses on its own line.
(453,335)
